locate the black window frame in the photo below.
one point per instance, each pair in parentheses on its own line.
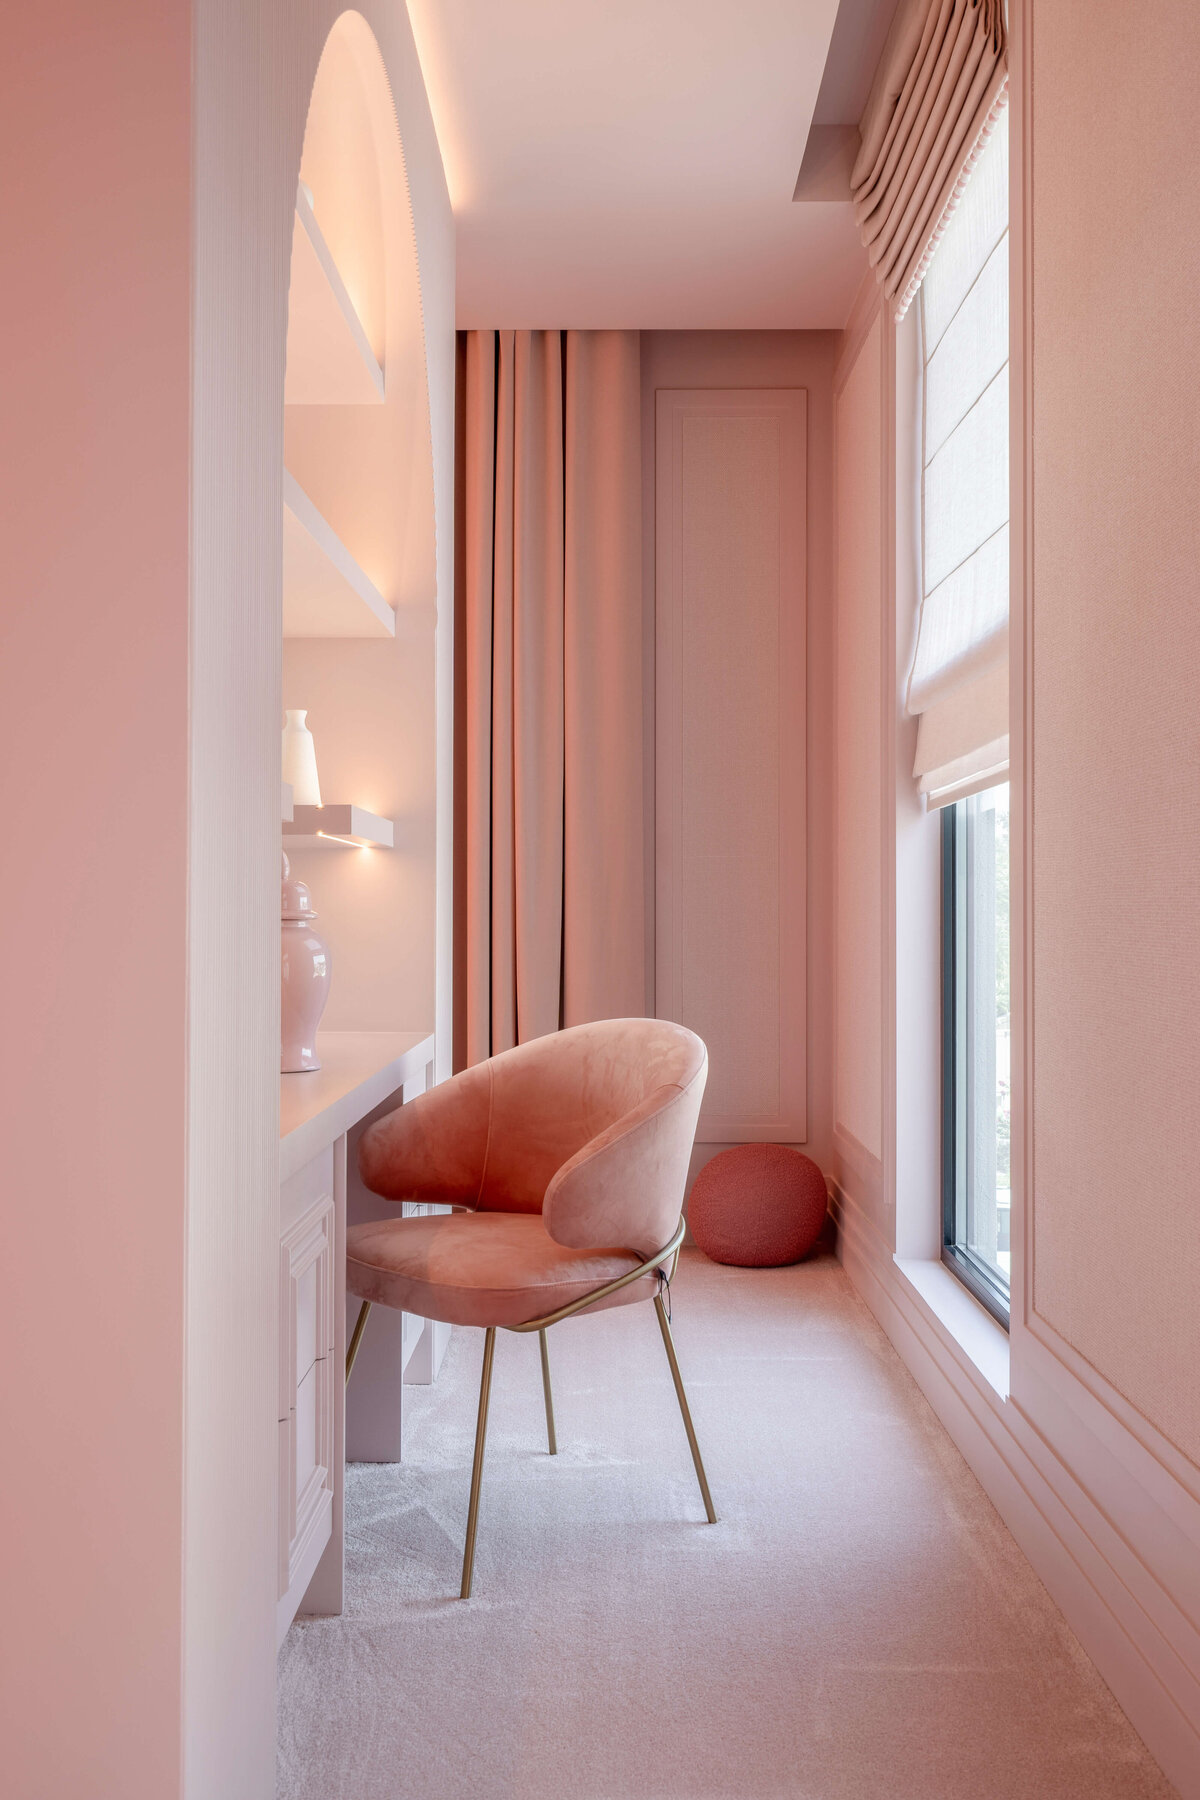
(975,1274)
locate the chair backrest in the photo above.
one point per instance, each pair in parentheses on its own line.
(592,1126)
(556,1094)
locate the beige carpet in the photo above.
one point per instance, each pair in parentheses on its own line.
(859,1625)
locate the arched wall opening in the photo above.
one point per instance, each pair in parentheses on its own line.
(357,444)
(381,711)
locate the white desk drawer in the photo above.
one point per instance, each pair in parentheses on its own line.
(307,1376)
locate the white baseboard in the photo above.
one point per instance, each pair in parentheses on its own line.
(1131,1594)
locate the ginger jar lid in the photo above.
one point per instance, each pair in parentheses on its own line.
(294,895)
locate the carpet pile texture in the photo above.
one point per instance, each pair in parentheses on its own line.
(858,1626)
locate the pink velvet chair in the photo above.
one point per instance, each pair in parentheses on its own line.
(569,1156)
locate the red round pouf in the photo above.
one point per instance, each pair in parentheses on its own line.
(757,1206)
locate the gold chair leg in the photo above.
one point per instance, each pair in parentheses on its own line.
(669,1342)
(485,1388)
(549,1397)
(356,1338)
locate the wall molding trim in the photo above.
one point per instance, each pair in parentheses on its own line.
(1160,1452)
(861,1163)
(1105,1562)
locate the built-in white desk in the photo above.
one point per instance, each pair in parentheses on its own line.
(359,1069)
(363,1075)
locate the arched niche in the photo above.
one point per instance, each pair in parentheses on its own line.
(368,467)
(363,462)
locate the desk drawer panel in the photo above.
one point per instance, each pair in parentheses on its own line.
(306,1297)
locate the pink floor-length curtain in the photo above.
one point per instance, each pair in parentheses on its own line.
(553,878)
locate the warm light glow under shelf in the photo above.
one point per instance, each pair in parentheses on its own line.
(330,361)
(326,592)
(333,826)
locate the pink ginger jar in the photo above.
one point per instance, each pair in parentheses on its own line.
(305,978)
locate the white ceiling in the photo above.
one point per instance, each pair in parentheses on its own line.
(632,162)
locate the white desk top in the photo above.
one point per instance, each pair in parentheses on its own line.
(358,1070)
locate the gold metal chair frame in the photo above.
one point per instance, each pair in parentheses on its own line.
(541,1326)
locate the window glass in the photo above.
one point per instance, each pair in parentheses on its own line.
(977,1078)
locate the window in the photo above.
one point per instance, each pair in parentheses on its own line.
(958,687)
(975,1046)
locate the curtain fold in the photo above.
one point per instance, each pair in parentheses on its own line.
(553,877)
(940,86)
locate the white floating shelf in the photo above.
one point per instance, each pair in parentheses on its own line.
(288,806)
(325,592)
(336,827)
(330,361)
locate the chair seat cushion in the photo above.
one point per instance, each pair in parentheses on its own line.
(486,1268)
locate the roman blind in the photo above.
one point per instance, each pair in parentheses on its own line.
(940,82)
(958,685)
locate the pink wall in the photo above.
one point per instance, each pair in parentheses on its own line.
(699,359)
(1114,866)
(94,267)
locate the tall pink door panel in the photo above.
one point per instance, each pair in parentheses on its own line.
(730,912)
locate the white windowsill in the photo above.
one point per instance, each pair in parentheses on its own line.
(971,1326)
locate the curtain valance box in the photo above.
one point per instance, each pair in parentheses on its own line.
(940,86)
